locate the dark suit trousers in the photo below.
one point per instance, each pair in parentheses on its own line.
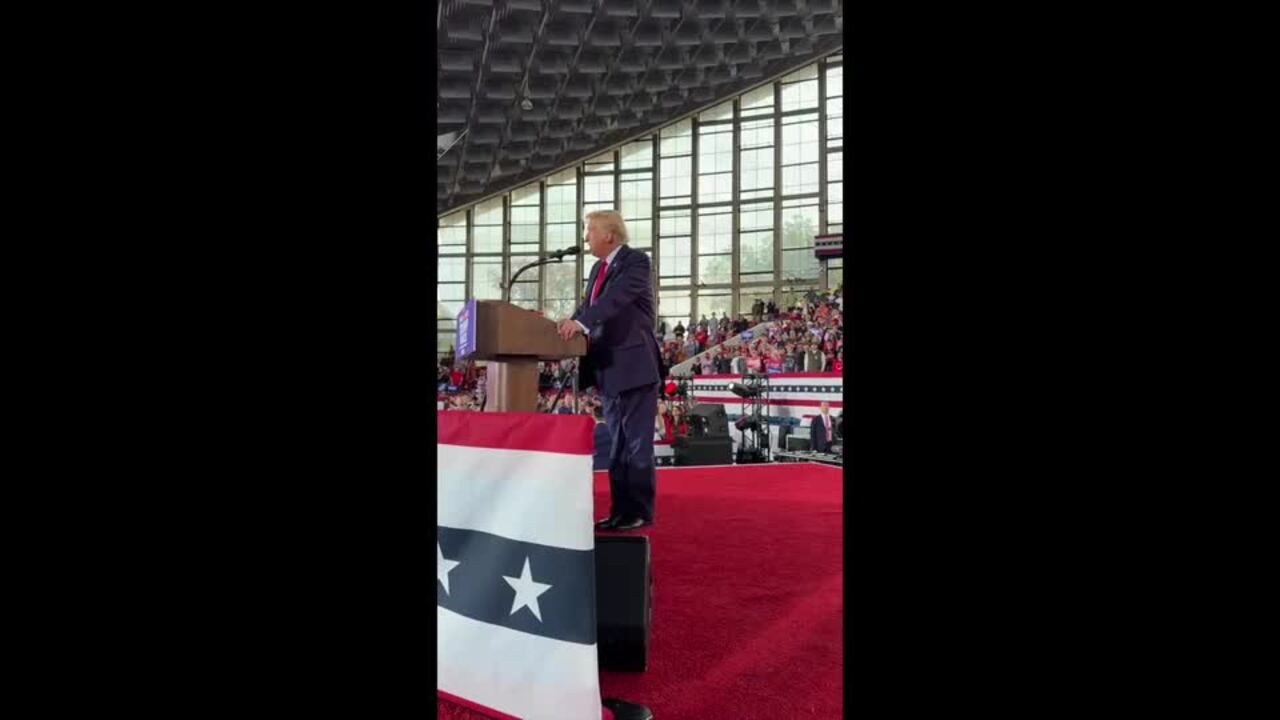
(630,417)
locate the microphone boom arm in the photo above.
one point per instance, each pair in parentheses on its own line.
(506,291)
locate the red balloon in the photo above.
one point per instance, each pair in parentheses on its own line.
(671,388)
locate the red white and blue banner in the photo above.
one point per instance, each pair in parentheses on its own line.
(791,395)
(793,398)
(515,566)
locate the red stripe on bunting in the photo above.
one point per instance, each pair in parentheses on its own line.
(570,434)
(790,403)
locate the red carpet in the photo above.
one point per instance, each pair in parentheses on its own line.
(748,596)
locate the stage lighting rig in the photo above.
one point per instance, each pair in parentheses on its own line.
(753,421)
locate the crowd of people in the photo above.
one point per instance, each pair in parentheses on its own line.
(806,337)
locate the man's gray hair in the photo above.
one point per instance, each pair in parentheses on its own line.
(610,222)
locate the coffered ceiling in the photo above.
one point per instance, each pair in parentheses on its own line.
(530,86)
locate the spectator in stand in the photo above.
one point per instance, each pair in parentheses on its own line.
(708,364)
(702,322)
(662,423)
(722,361)
(813,358)
(679,331)
(771,310)
(738,364)
(700,336)
(837,365)
(789,359)
(679,428)
(662,329)
(691,347)
(755,363)
(774,364)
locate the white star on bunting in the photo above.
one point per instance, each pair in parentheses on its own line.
(527,591)
(443,567)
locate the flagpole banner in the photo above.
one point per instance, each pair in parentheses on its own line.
(515,565)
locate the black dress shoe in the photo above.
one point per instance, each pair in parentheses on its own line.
(623,710)
(607,523)
(631,524)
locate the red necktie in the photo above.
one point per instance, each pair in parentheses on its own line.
(595,291)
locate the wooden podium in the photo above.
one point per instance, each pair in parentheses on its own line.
(512,340)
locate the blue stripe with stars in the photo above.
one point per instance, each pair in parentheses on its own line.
(478,590)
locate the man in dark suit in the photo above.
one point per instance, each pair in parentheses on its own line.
(617,316)
(821,430)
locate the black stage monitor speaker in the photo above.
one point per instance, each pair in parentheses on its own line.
(624,602)
(717,419)
(711,450)
(797,443)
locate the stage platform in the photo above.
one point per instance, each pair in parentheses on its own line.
(748,595)
(795,456)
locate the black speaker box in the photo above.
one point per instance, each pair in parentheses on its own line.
(703,450)
(717,418)
(624,602)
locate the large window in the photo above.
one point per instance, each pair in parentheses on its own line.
(675,243)
(835,103)
(597,184)
(674,307)
(800,154)
(452,235)
(525,218)
(450,292)
(755,242)
(799,226)
(726,202)
(800,89)
(676,152)
(486,278)
(756,156)
(715,162)
(835,148)
(560,298)
(636,201)
(715,246)
(488,227)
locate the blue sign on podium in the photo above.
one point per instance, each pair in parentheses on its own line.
(466,340)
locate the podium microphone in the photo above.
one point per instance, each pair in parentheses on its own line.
(560,254)
(553,257)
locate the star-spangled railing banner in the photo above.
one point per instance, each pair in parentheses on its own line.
(477,588)
(515,572)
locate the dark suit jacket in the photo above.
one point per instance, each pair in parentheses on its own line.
(818,433)
(622,353)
